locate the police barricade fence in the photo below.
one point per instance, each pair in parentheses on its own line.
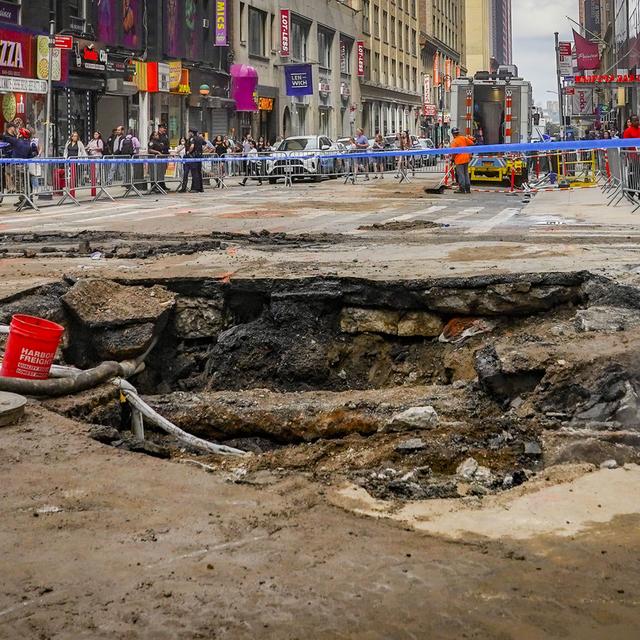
(612,186)
(34,181)
(630,172)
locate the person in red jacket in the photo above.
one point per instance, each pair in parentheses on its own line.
(633,128)
(633,161)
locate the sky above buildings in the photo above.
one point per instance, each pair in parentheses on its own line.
(534,23)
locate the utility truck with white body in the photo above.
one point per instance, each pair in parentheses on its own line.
(494,108)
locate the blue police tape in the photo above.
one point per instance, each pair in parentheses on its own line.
(518,148)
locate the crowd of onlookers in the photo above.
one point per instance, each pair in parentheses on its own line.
(20,141)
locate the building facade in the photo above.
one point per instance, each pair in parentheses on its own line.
(134,63)
(615,25)
(478,35)
(501,33)
(269,36)
(442,48)
(392,83)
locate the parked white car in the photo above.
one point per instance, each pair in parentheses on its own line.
(302,156)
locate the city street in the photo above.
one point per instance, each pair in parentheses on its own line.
(319,320)
(329,228)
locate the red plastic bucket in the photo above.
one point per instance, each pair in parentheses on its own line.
(31,347)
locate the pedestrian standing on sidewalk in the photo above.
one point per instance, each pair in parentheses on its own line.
(378,147)
(195,144)
(220,148)
(115,149)
(165,148)
(633,128)
(462,160)
(109,144)
(131,147)
(263,149)
(362,146)
(95,146)
(155,151)
(74,147)
(251,163)
(630,133)
(23,149)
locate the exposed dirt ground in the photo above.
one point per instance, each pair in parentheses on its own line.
(301,342)
(98,543)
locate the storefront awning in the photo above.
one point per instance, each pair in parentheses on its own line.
(244,81)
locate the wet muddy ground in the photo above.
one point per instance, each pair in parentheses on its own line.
(102,543)
(424,452)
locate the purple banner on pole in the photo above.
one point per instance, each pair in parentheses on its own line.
(221,23)
(299,79)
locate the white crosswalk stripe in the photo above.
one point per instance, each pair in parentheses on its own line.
(461,214)
(484,226)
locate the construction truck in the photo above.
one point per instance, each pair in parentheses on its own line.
(494,108)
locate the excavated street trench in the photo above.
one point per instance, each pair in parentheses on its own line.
(411,389)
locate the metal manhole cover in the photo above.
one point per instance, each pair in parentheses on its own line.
(11,408)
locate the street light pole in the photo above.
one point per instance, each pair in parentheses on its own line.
(47,131)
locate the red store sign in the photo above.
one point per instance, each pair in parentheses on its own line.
(627,78)
(16,54)
(360,57)
(285,32)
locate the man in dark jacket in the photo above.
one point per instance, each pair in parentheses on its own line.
(195,144)
(163,141)
(23,149)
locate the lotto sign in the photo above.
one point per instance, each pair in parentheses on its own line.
(285,32)
(360,54)
(63,42)
(565,58)
(221,23)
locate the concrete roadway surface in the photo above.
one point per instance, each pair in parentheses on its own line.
(101,543)
(481,233)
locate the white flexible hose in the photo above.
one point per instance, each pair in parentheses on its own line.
(137,402)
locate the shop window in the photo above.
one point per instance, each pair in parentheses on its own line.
(324,122)
(299,39)
(77,8)
(325,40)
(376,21)
(257,32)
(365,16)
(243,31)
